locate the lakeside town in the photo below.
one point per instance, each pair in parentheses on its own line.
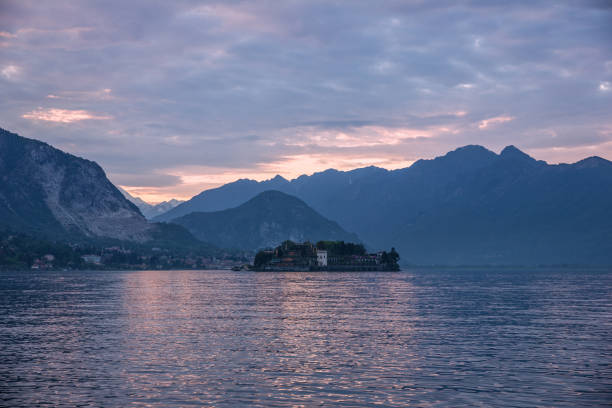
(20,252)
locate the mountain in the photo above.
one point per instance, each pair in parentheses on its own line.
(227,196)
(150,210)
(161,208)
(264,221)
(48,192)
(470,206)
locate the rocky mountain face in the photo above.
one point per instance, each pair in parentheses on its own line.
(150,210)
(470,207)
(264,221)
(47,192)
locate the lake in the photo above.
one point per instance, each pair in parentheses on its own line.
(227,339)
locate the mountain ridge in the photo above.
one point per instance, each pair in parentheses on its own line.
(461,208)
(266,220)
(47,191)
(147,209)
(56,196)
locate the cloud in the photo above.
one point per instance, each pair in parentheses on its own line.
(101,94)
(293,166)
(223,89)
(63,115)
(10,72)
(483,124)
(232,18)
(147,180)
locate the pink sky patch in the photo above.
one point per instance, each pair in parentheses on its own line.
(494,121)
(63,115)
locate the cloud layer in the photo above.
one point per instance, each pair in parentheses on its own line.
(174,97)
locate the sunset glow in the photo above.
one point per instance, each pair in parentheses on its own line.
(63,115)
(494,121)
(198,95)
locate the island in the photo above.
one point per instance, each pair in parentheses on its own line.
(324,256)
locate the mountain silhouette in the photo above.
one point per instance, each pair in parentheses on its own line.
(470,206)
(47,192)
(264,221)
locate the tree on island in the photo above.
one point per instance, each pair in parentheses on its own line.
(390,258)
(341,248)
(393,256)
(262,258)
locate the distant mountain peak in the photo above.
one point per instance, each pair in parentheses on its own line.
(512,152)
(368,170)
(326,171)
(593,161)
(139,202)
(469,151)
(279,179)
(462,160)
(263,221)
(244,181)
(172,201)
(471,147)
(147,209)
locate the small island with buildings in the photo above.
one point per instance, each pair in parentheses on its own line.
(324,256)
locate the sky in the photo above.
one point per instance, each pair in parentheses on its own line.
(174,97)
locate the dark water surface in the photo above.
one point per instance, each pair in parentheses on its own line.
(221,338)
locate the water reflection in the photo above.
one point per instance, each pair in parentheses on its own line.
(219,338)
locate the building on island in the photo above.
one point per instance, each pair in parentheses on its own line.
(324,256)
(321,257)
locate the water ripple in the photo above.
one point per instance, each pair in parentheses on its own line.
(226,339)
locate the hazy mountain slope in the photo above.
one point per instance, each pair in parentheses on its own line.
(264,221)
(161,208)
(48,192)
(227,196)
(470,206)
(150,210)
(514,211)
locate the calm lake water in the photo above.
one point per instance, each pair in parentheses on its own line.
(221,338)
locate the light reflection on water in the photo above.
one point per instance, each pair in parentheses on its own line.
(221,338)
